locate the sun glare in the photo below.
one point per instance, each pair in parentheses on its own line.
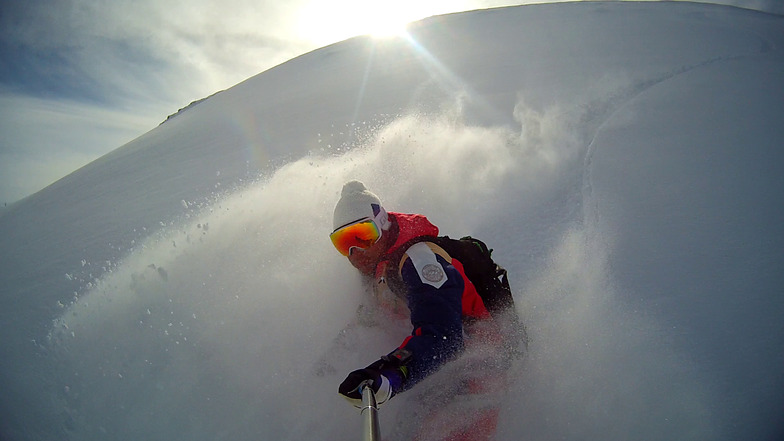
(386,23)
(328,22)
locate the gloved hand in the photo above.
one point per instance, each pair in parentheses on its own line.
(350,387)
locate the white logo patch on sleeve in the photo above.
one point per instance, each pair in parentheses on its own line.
(426,264)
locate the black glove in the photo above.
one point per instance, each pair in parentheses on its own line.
(350,387)
(377,376)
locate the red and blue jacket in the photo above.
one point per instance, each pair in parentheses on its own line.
(438,294)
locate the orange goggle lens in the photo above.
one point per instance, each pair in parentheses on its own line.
(361,235)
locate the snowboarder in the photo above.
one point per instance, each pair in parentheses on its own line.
(407,259)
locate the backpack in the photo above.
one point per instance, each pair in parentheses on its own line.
(489,278)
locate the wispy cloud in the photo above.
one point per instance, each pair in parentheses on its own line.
(109,52)
(45,139)
(79,78)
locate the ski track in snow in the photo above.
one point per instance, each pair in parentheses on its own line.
(614,103)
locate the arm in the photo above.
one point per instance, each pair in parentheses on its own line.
(435,301)
(434,290)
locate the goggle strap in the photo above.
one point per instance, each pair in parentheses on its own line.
(382,219)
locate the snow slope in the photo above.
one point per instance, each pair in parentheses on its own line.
(624,160)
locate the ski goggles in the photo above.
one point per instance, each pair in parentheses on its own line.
(360,234)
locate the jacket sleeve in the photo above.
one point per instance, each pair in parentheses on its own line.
(436,315)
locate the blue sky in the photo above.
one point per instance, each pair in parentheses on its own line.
(79,78)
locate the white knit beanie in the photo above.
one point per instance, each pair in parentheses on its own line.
(357,202)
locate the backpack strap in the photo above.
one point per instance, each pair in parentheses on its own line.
(433,247)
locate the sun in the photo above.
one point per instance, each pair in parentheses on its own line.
(386,22)
(328,22)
